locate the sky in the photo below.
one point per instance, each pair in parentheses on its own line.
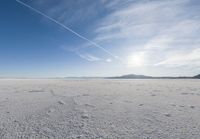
(61,38)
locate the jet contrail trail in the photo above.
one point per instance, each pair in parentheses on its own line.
(69,29)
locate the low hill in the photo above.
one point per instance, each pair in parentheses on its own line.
(197,76)
(134,76)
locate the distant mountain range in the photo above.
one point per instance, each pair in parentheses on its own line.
(128,76)
(134,76)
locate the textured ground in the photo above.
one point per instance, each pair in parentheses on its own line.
(99,109)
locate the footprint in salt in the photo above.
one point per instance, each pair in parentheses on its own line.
(192,107)
(51,110)
(79,136)
(85,115)
(141,104)
(61,102)
(86,95)
(167,114)
(173,104)
(89,105)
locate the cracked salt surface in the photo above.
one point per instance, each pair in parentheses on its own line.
(106,109)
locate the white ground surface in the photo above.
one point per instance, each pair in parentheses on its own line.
(100,109)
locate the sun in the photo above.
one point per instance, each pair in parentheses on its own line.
(136,60)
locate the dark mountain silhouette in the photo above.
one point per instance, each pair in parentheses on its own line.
(197,76)
(134,76)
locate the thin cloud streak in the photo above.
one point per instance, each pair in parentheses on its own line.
(88,57)
(69,29)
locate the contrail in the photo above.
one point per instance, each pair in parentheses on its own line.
(69,29)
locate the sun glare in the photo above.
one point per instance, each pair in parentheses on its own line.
(135,60)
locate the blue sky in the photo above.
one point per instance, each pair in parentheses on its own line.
(151,37)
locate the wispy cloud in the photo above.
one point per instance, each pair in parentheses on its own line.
(191,59)
(68,12)
(88,57)
(148,33)
(163,28)
(78,51)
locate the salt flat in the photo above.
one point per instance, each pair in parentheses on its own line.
(104,109)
